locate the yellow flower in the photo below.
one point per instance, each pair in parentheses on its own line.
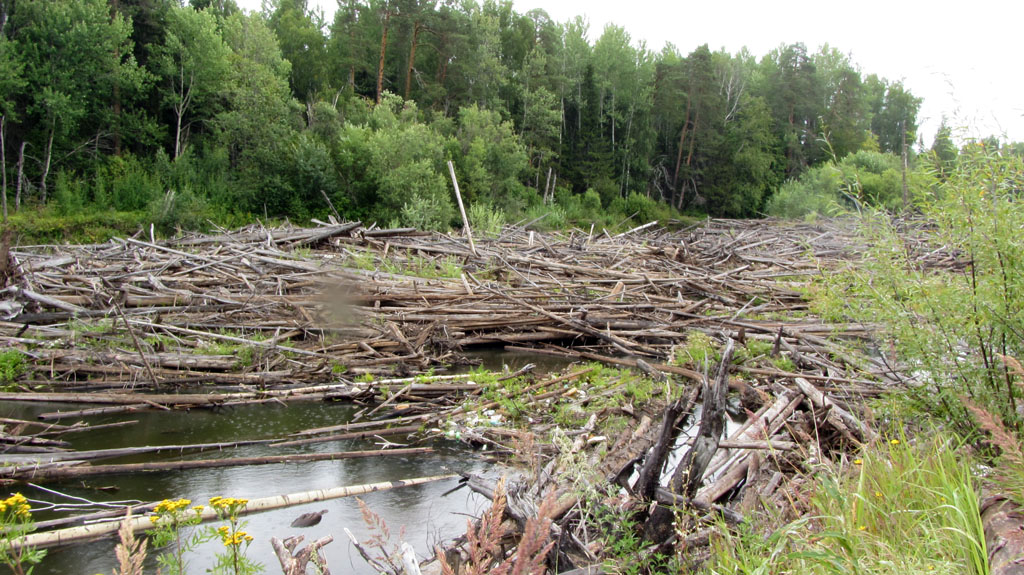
(154,518)
(862,528)
(199,508)
(894,442)
(857,462)
(248,538)
(878,494)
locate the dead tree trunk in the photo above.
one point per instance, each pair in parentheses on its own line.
(21,176)
(46,160)
(3,163)
(690,471)
(1004,535)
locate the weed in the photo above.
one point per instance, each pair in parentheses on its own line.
(15,524)
(784,363)
(699,352)
(12,365)
(752,349)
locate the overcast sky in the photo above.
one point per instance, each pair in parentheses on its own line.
(963,58)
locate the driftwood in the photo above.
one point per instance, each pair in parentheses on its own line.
(294,562)
(292,314)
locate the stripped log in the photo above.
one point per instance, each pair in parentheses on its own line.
(841,419)
(98,530)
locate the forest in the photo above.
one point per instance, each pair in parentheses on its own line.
(183,114)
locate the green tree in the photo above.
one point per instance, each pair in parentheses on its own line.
(793,90)
(74,54)
(11,85)
(845,124)
(300,35)
(539,124)
(895,123)
(943,151)
(491,160)
(261,115)
(192,66)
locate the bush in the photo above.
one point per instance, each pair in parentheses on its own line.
(486,221)
(426,213)
(126,184)
(816,192)
(953,326)
(178,210)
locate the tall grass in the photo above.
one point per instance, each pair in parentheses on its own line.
(900,508)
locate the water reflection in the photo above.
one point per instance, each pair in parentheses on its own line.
(426,516)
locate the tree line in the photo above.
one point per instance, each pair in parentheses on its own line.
(183,111)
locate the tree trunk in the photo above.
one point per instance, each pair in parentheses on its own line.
(682,142)
(21,176)
(3,164)
(412,59)
(97,530)
(903,153)
(383,51)
(46,161)
(177,133)
(613,121)
(115,6)
(689,474)
(693,138)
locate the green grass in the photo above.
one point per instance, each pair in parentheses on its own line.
(897,508)
(449,267)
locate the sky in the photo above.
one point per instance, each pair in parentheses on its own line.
(962,57)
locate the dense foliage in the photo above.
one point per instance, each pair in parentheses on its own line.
(184,113)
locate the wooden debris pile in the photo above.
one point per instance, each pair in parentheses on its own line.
(709,319)
(290,307)
(678,466)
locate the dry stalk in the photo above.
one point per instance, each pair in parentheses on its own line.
(130,553)
(483,541)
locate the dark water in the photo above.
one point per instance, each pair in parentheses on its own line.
(426,516)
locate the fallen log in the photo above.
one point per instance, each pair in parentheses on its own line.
(98,530)
(39,473)
(837,416)
(97,454)
(1003,521)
